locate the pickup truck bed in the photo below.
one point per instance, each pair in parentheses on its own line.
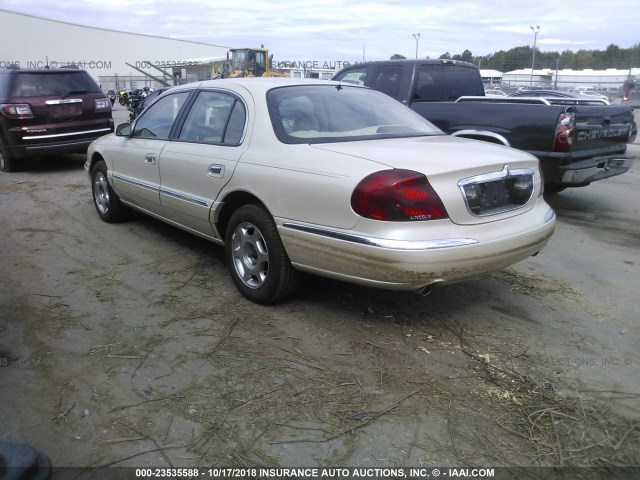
(576,141)
(599,143)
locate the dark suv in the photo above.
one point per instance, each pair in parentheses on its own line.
(45,111)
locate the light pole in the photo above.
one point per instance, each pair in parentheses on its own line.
(535,31)
(417,37)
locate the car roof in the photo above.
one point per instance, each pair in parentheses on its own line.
(259,85)
(68,69)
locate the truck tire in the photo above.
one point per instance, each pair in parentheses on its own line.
(553,188)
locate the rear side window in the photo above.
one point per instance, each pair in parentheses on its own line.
(447,82)
(58,84)
(386,79)
(215,117)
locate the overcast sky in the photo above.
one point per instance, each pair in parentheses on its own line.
(347,30)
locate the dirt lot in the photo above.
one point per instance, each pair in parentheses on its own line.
(127,345)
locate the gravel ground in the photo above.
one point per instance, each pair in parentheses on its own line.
(128,345)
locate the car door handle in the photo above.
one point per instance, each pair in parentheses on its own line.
(150,158)
(216,171)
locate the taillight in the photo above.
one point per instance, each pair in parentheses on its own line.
(103,105)
(397,195)
(16,110)
(564,132)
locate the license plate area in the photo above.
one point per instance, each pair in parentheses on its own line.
(497,192)
(65,108)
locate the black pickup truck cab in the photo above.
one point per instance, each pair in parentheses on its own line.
(577,141)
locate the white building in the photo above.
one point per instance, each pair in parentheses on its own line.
(527,77)
(608,78)
(491,76)
(116,60)
(568,79)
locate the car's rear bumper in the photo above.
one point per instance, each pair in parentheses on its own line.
(415,264)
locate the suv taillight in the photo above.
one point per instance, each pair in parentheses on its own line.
(103,105)
(397,195)
(16,110)
(564,132)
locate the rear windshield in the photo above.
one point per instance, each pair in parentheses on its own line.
(337,113)
(57,84)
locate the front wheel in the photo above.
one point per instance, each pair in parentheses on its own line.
(256,258)
(107,203)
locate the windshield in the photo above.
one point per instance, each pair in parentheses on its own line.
(240,59)
(337,113)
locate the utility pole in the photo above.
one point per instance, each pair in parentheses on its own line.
(417,37)
(533,62)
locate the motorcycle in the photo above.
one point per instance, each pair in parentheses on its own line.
(137,96)
(140,99)
(123,98)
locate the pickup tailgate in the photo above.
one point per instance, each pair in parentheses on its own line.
(601,127)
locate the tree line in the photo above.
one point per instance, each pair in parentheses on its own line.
(520,57)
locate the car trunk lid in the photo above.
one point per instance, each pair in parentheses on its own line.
(477,182)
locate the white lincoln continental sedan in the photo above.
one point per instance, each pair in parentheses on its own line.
(315,176)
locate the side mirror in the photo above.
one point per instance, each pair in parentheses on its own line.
(123,130)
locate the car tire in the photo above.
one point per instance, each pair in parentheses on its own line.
(256,257)
(108,205)
(7,162)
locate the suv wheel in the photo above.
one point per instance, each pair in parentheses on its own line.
(7,163)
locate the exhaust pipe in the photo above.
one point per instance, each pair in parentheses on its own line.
(423,292)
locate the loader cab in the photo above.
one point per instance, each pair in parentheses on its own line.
(252,62)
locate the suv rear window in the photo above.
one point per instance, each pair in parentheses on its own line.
(59,84)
